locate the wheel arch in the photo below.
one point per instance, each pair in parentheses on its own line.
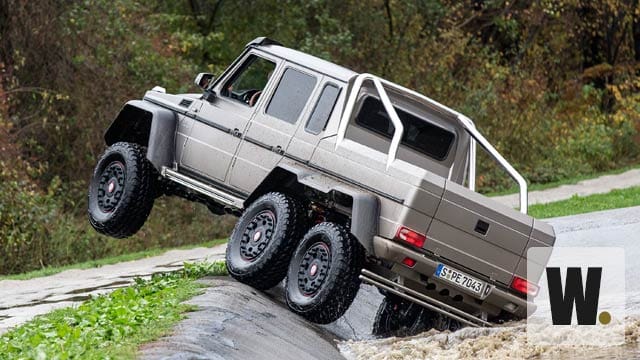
(149,125)
(365,207)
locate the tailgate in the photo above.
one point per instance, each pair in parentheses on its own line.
(478,233)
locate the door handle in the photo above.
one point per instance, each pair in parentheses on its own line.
(482,227)
(235,132)
(278,149)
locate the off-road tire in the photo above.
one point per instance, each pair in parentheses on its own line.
(134,187)
(265,268)
(327,300)
(399,317)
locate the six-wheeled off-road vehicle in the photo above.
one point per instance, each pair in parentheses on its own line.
(337,178)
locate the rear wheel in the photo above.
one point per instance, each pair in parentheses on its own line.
(399,317)
(322,280)
(263,240)
(122,190)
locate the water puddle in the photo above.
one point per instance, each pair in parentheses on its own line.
(110,285)
(44,302)
(507,342)
(135,276)
(171,266)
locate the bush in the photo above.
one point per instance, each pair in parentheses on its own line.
(539,79)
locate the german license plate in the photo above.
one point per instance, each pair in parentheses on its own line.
(459,278)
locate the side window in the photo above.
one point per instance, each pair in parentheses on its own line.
(247,84)
(322,111)
(291,96)
(419,135)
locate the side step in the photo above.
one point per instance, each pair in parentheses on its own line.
(202,188)
(422,300)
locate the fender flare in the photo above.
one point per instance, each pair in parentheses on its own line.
(365,211)
(147,124)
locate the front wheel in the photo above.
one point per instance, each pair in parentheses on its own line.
(322,280)
(121,191)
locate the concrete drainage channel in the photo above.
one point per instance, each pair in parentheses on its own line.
(234,321)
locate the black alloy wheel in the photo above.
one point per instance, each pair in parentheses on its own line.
(263,240)
(122,190)
(322,280)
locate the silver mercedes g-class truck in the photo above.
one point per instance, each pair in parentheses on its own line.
(337,178)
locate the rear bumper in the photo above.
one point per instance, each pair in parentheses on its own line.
(492,301)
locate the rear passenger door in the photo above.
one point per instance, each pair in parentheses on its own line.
(271,130)
(312,128)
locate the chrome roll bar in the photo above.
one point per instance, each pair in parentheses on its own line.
(467,124)
(386,102)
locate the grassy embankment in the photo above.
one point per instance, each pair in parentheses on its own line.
(584,204)
(112,325)
(568,181)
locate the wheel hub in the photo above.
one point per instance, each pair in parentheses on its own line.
(111,186)
(314,268)
(257,235)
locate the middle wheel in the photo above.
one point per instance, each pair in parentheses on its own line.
(322,280)
(263,240)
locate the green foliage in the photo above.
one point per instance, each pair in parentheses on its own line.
(26,217)
(109,326)
(584,204)
(128,256)
(553,84)
(200,269)
(37,234)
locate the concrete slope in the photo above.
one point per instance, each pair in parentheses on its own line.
(235,321)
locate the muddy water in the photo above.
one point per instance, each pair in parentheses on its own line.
(618,228)
(509,342)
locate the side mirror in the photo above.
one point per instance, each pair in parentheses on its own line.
(203,80)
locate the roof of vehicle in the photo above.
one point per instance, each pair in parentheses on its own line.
(314,63)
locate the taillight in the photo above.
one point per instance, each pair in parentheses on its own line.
(409,236)
(409,262)
(522,285)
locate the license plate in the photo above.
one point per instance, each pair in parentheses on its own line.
(459,278)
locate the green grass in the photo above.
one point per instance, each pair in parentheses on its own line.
(584,204)
(112,325)
(569,181)
(105,261)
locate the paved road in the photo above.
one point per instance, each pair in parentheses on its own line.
(603,184)
(21,300)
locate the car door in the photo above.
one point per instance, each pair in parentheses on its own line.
(216,133)
(270,131)
(322,107)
